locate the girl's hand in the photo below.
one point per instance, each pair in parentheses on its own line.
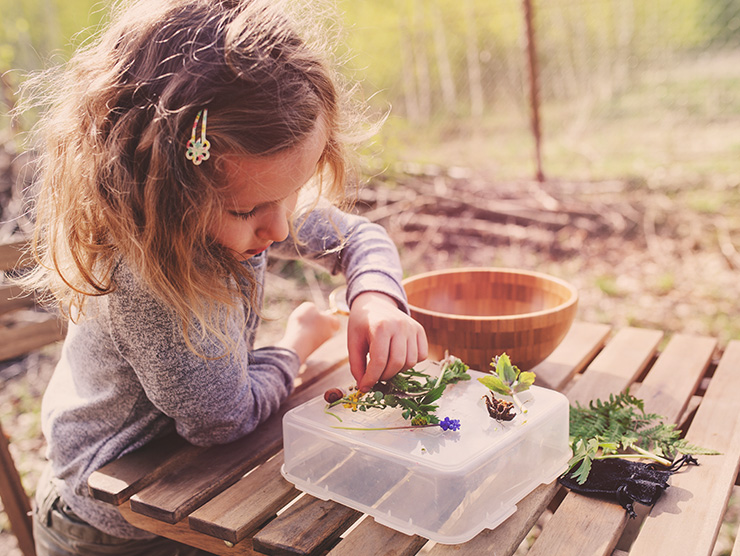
(307,329)
(393,339)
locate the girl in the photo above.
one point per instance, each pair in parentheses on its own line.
(179,150)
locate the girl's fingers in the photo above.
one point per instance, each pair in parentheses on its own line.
(376,365)
(412,354)
(422,344)
(392,347)
(357,349)
(403,353)
(398,357)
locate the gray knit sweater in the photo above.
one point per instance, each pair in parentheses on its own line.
(126,377)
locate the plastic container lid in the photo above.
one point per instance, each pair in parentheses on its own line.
(443,485)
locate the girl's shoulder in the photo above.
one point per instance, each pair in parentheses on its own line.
(130,289)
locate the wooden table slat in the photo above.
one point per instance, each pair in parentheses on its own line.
(182,490)
(578,348)
(673,379)
(181,532)
(583,525)
(291,534)
(242,508)
(508,536)
(617,365)
(116,482)
(686,523)
(370,537)
(173,496)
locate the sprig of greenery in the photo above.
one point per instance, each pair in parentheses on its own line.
(413,391)
(621,428)
(508,380)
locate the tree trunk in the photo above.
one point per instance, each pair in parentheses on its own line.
(447,82)
(534,87)
(473,58)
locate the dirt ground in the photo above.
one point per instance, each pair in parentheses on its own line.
(651,255)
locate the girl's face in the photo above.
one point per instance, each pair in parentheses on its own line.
(261,195)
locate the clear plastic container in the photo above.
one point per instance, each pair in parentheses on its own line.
(443,485)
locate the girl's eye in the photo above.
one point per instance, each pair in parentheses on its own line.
(243,215)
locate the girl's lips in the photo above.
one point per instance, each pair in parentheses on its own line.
(253,252)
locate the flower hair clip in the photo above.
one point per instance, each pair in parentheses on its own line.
(198,150)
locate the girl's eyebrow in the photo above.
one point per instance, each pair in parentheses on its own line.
(255,207)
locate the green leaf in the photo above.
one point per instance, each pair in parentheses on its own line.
(434,394)
(408,403)
(505,370)
(581,473)
(456,371)
(494,383)
(524,381)
(399,382)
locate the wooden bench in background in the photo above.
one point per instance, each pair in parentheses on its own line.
(24,327)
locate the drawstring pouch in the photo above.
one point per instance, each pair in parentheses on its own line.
(626,482)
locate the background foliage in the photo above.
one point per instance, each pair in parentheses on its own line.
(627,88)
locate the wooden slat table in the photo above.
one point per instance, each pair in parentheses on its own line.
(232,499)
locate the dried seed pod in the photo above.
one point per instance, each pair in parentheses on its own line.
(500,410)
(333,395)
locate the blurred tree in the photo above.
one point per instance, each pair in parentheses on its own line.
(723,22)
(34,33)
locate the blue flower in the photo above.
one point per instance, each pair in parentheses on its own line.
(450,424)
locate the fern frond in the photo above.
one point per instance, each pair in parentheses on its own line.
(621,423)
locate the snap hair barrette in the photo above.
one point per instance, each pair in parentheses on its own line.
(198,150)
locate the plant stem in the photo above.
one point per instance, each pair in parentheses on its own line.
(337,417)
(644,455)
(518,402)
(650,455)
(441,374)
(385,428)
(355,403)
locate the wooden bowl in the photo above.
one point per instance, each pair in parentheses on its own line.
(477,313)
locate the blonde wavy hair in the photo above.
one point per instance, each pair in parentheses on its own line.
(114,180)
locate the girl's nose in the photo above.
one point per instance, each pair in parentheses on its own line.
(274,224)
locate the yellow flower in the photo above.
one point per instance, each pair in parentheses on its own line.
(353,399)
